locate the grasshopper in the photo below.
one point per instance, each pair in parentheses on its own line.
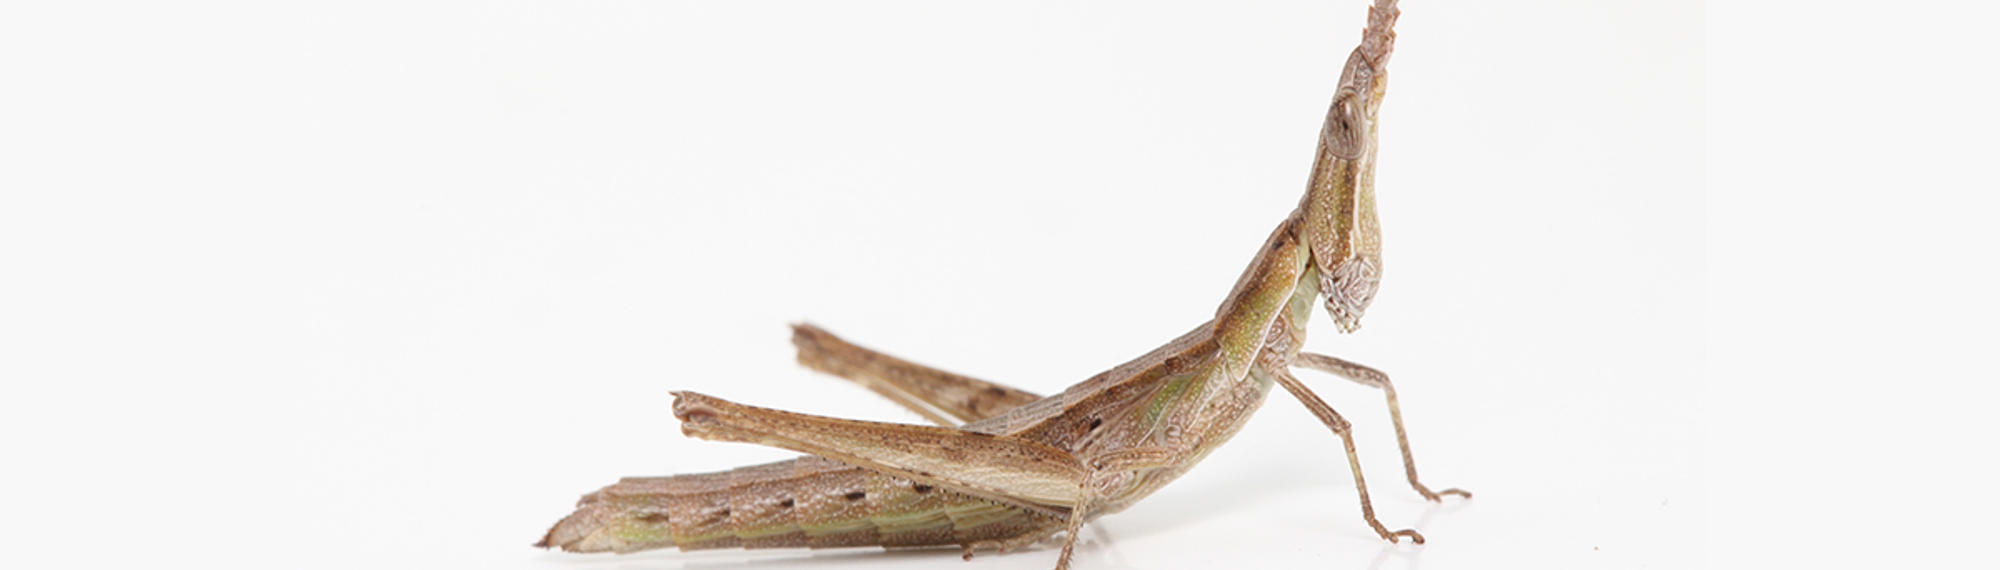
(1005,468)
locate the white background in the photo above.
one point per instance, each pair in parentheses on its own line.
(390,284)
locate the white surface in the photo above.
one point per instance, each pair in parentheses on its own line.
(1850,290)
(390,285)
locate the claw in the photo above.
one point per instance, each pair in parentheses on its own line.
(1438,497)
(1412,534)
(1397,536)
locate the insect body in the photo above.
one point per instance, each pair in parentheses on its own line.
(1006,468)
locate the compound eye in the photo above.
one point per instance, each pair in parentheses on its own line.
(1345,125)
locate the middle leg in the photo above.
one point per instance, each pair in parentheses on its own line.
(1343,429)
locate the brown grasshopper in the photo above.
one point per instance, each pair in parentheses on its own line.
(1006,468)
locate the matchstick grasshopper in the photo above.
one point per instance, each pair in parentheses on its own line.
(1005,468)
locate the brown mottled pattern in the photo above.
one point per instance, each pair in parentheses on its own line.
(933,393)
(829,516)
(830,505)
(1017,467)
(762,507)
(698,507)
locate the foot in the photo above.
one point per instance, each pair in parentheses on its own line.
(1397,536)
(1438,497)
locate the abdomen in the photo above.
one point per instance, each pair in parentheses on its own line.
(809,502)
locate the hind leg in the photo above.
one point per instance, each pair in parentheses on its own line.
(942,397)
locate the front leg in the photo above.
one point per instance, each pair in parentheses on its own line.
(1343,429)
(1366,376)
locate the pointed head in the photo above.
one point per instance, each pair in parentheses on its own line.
(1363,80)
(1339,207)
